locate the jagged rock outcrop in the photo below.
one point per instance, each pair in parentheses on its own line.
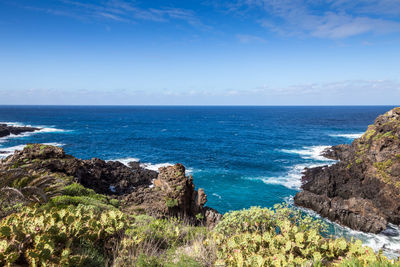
(6,130)
(104,177)
(172,194)
(362,190)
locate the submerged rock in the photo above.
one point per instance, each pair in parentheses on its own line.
(362,190)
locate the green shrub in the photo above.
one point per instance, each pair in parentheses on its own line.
(148,261)
(76,194)
(184,261)
(199,216)
(154,261)
(76,189)
(170,203)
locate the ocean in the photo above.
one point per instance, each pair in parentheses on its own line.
(242,156)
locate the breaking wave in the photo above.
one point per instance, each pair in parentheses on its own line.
(309,152)
(7,151)
(348,136)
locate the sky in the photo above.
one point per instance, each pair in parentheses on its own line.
(238,52)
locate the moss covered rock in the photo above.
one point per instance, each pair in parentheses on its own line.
(362,190)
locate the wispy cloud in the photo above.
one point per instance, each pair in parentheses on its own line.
(325,19)
(248,38)
(118,10)
(348,92)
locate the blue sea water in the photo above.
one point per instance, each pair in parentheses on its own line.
(241,156)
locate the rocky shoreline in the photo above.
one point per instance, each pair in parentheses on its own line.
(362,190)
(165,193)
(6,130)
(58,210)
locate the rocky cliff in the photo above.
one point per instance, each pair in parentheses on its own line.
(40,172)
(362,190)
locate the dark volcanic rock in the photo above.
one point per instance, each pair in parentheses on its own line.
(339,152)
(6,130)
(111,177)
(172,194)
(362,190)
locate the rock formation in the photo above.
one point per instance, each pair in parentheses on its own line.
(362,190)
(6,130)
(172,194)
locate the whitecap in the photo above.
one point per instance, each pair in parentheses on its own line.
(43,129)
(147,165)
(155,167)
(54,144)
(15,124)
(216,195)
(348,136)
(291,180)
(51,130)
(125,161)
(309,152)
(10,150)
(7,151)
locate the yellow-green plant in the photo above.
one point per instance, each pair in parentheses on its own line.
(68,236)
(283,237)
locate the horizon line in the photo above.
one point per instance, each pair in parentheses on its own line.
(219,105)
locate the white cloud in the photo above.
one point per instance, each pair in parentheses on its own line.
(325,19)
(349,92)
(248,38)
(119,10)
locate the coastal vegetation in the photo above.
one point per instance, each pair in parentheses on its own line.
(90,232)
(60,222)
(57,210)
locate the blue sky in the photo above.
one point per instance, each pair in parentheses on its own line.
(239,52)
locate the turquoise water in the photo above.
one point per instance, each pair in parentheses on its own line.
(241,156)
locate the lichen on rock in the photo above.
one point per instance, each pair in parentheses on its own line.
(362,190)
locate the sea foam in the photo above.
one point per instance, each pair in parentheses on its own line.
(291,180)
(147,165)
(125,161)
(389,244)
(348,136)
(309,152)
(155,167)
(10,150)
(43,129)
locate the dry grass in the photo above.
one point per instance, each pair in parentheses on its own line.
(190,245)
